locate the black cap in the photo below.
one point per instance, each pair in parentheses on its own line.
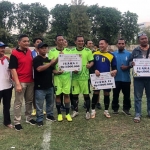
(42,45)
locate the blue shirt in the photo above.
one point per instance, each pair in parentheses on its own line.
(122,59)
(34,53)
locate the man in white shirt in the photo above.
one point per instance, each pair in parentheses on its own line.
(5,86)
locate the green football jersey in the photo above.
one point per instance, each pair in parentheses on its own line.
(87,56)
(53,54)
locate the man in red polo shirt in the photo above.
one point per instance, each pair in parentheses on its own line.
(22,72)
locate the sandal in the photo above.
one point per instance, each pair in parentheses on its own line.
(10,126)
(106,114)
(137,119)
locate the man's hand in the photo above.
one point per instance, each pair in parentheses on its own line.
(56,72)
(52,62)
(61,52)
(133,63)
(75,72)
(18,88)
(113,73)
(124,67)
(97,73)
(88,66)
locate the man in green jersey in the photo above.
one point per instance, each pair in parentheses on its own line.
(80,78)
(62,80)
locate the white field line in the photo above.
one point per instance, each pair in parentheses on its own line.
(46,136)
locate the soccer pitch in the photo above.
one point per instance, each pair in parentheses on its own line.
(116,133)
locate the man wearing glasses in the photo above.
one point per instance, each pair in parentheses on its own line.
(122,79)
(141,83)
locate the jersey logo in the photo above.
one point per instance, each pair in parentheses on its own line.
(67,49)
(87,49)
(103,59)
(97,58)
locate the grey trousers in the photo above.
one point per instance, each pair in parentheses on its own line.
(27,95)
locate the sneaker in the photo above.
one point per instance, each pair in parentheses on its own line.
(60,117)
(33,112)
(106,113)
(75,113)
(126,112)
(68,117)
(115,112)
(87,116)
(40,124)
(51,118)
(32,122)
(44,112)
(93,113)
(98,105)
(18,127)
(84,105)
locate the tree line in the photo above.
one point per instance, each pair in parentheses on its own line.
(70,20)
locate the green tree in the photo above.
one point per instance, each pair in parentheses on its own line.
(79,23)
(105,23)
(7,17)
(129,27)
(60,19)
(32,19)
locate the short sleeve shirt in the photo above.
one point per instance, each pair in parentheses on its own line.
(53,54)
(43,79)
(87,56)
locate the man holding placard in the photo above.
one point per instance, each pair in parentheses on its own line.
(141,81)
(103,61)
(62,79)
(80,78)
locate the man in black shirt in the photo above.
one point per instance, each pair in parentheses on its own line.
(43,68)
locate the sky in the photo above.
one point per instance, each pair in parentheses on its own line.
(140,7)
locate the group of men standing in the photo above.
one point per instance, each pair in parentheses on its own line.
(36,77)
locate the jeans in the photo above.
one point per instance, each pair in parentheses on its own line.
(40,96)
(139,85)
(125,87)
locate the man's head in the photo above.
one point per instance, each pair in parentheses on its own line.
(79,41)
(36,41)
(143,39)
(121,44)
(23,42)
(65,43)
(42,48)
(89,44)
(2,49)
(59,40)
(103,44)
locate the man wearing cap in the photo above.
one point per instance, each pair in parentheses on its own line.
(5,86)
(43,68)
(35,52)
(141,83)
(21,63)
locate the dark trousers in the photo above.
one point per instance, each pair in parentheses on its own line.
(125,87)
(6,96)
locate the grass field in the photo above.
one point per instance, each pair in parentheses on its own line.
(117,133)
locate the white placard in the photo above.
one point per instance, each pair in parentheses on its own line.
(69,62)
(104,81)
(141,68)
